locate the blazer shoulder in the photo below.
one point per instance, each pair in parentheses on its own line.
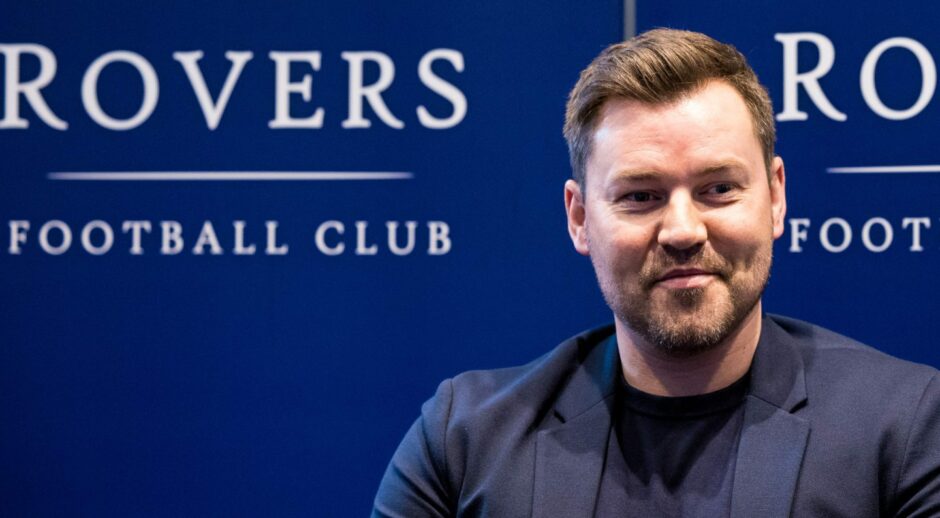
(845,373)
(824,349)
(477,421)
(534,384)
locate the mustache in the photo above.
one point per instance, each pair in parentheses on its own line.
(662,262)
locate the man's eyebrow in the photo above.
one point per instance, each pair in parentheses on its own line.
(723,167)
(635,176)
(641,175)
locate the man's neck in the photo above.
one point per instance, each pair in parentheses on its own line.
(653,371)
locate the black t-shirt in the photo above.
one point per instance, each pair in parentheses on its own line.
(672,456)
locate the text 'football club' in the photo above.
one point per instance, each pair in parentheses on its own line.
(331,238)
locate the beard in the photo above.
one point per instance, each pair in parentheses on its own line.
(689,321)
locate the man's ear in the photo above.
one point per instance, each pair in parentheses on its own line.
(778,195)
(574,206)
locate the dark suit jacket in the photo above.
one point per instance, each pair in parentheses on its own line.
(831,428)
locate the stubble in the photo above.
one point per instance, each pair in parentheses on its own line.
(689,321)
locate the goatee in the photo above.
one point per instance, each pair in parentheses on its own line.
(686,322)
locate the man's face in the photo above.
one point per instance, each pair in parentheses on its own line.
(678,217)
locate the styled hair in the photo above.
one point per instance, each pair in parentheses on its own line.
(660,67)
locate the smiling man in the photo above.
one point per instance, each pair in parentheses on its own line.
(695,402)
(678,216)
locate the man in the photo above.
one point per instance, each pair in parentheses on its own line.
(694,403)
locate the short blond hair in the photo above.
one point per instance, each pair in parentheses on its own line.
(659,67)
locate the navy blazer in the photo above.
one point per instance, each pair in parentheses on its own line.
(831,428)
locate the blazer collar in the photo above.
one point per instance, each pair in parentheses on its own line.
(773,439)
(570,456)
(594,379)
(777,375)
(777,371)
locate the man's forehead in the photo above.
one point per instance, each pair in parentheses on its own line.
(690,104)
(715,109)
(711,126)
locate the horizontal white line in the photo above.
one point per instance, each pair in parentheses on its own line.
(229,175)
(886,169)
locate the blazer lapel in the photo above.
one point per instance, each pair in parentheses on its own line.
(568,466)
(769,456)
(569,457)
(773,439)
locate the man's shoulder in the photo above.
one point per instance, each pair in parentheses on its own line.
(873,422)
(538,379)
(512,401)
(814,342)
(831,359)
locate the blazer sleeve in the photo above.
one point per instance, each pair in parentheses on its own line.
(415,484)
(918,489)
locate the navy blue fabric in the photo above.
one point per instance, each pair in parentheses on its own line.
(831,428)
(672,456)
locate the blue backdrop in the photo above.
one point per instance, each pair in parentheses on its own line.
(150,376)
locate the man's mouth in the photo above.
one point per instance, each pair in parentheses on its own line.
(681,278)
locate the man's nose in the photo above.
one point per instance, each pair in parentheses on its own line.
(682,227)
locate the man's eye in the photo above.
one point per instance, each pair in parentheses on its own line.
(721,188)
(640,197)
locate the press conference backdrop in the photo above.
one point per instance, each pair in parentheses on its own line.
(242,244)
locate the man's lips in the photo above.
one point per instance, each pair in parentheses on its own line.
(685,278)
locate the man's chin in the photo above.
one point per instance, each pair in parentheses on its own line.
(679,340)
(687,322)
(689,304)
